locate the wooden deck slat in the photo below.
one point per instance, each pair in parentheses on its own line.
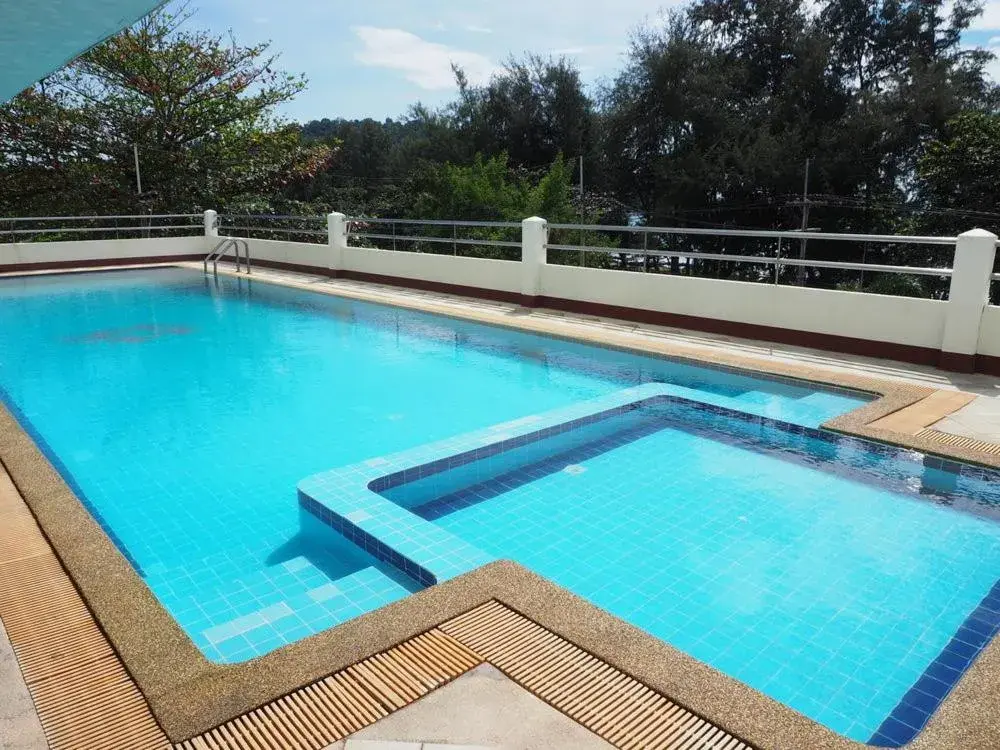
(960,441)
(599,696)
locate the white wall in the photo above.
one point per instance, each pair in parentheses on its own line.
(482,273)
(989,332)
(91,250)
(499,275)
(296,253)
(902,320)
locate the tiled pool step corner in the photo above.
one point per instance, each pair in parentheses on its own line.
(346,499)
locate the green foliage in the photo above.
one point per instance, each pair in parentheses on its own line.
(488,190)
(960,168)
(896,285)
(198,106)
(534,110)
(720,107)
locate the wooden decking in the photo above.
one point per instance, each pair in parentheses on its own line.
(948,440)
(84,697)
(86,700)
(607,701)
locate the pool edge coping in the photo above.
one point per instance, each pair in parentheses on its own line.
(189,695)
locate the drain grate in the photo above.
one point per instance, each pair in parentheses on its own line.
(959,441)
(602,698)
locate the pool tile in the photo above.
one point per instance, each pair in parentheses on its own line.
(321,594)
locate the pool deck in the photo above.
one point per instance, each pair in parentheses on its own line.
(131,679)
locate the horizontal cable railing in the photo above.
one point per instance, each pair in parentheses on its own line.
(310,229)
(890,264)
(778,256)
(54,228)
(761,259)
(767,233)
(499,240)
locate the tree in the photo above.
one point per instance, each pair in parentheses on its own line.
(199,107)
(532,110)
(717,109)
(959,169)
(488,190)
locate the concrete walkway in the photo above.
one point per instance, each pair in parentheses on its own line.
(19,725)
(979,420)
(481,709)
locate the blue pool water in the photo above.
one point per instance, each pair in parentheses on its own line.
(833,574)
(184,411)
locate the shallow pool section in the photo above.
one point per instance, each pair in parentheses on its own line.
(851,581)
(183,410)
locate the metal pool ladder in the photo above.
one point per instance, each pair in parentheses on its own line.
(220,250)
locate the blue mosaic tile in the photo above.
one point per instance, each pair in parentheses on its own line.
(833,650)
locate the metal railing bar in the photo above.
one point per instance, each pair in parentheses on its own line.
(884,238)
(75,230)
(276,217)
(763,260)
(442,240)
(666,253)
(435,222)
(111,216)
(874,267)
(283,230)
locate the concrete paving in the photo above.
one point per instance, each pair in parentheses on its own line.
(979,420)
(19,726)
(391,745)
(481,709)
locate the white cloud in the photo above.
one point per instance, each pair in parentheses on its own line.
(990,19)
(993,66)
(588,50)
(994,41)
(474,29)
(427,64)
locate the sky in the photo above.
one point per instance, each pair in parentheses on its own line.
(376,58)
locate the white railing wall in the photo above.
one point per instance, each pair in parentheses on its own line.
(962,332)
(470,273)
(905,321)
(281,253)
(40,255)
(989,333)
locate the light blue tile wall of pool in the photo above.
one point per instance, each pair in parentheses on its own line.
(828,593)
(851,581)
(185,411)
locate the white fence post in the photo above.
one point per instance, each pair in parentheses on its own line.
(975,253)
(336,227)
(534,237)
(211,223)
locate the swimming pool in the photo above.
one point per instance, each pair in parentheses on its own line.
(184,411)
